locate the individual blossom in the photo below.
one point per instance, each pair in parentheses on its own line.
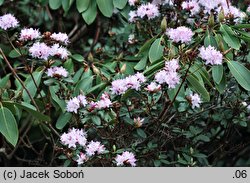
(131,39)
(172,65)
(57,72)
(148,10)
(104,102)
(195,100)
(153,87)
(132,2)
(59,51)
(28,34)
(95,147)
(73,105)
(126,158)
(170,78)
(180,34)
(211,4)
(138,122)
(119,87)
(140,76)
(211,55)
(82,100)
(133,82)
(40,50)
(132,16)
(8,21)
(74,137)
(81,158)
(60,37)
(192,6)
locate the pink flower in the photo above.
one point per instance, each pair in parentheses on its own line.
(95,147)
(140,77)
(248,9)
(172,79)
(132,82)
(59,51)
(8,21)
(74,137)
(172,65)
(82,100)
(138,122)
(29,34)
(105,102)
(81,158)
(57,72)
(119,87)
(195,100)
(180,34)
(125,158)
(60,37)
(73,105)
(40,50)
(132,16)
(150,10)
(132,2)
(153,87)
(211,55)
(192,6)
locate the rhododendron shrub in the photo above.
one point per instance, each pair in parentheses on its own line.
(134,83)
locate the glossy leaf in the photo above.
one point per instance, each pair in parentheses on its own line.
(8,125)
(90,14)
(229,37)
(106,7)
(156,50)
(217,73)
(120,4)
(54,4)
(240,73)
(63,119)
(82,5)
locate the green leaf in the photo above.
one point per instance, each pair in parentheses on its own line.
(146,46)
(120,4)
(96,120)
(210,40)
(141,133)
(8,125)
(217,73)
(85,84)
(54,4)
(222,85)
(4,81)
(106,7)
(78,57)
(156,50)
(241,74)
(61,103)
(90,14)
(31,86)
(29,108)
(1,2)
(63,119)
(229,37)
(142,63)
(198,87)
(82,5)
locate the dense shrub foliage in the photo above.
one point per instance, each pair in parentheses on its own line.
(124,83)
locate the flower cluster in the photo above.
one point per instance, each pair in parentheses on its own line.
(194,6)
(76,137)
(169,74)
(57,72)
(148,10)
(28,34)
(153,87)
(103,103)
(180,34)
(42,51)
(73,138)
(94,147)
(120,86)
(195,100)
(8,21)
(60,37)
(211,55)
(126,158)
(75,103)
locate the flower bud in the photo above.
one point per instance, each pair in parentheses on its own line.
(96,70)
(211,20)
(123,68)
(164,24)
(221,15)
